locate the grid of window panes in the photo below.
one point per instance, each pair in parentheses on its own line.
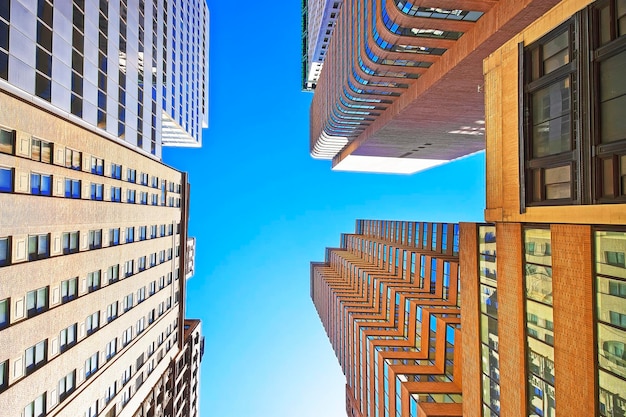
(610,247)
(489,321)
(5,11)
(539,322)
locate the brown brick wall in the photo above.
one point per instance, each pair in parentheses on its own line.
(470,320)
(572,284)
(511,320)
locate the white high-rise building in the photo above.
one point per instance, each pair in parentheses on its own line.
(133,70)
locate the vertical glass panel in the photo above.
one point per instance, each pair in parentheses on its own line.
(608,185)
(604,17)
(551,119)
(556,53)
(558,182)
(612,98)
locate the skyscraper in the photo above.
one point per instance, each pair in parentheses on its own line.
(401,89)
(318,24)
(388,298)
(93,227)
(133,71)
(543,283)
(552,272)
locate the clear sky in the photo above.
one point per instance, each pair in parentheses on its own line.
(262,209)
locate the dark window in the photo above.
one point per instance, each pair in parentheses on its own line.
(37,301)
(72,159)
(36,356)
(7,141)
(40,184)
(5,251)
(72,188)
(5,317)
(38,247)
(41,151)
(563,161)
(70,242)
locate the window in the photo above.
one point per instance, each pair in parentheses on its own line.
(112,311)
(153,231)
(151,316)
(92,323)
(142,232)
(40,184)
(4,375)
(558,148)
(4,312)
(162,256)
(97,191)
(73,159)
(95,239)
(91,365)
(155,182)
(36,356)
(128,302)
(116,194)
(114,236)
(116,171)
(41,151)
(113,273)
(155,200)
(162,230)
(38,247)
(93,281)
(70,242)
(37,301)
(7,141)
(72,188)
(141,262)
(130,234)
(129,268)
(67,337)
(131,175)
(141,325)
(67,385)
(37,408)
(144,178)
(6,180)
(110,393)
(141,294)
(92,411)
(143,198)
(97,166)
(5,251)
(615,258)
(130,196)
(153,257)
(69,289)
(127,337)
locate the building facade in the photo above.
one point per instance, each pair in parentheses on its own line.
(176,391)
(92,268)
(389,301)
(552,261)
(318,24)
(129,70)
(93,227)
(402,84)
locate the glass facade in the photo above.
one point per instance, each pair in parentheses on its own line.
(610,247)
(539,322)
(489,321)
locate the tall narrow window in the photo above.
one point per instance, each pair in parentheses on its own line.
(551,164)
(539,322)
(611,321)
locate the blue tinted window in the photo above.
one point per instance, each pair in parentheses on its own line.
(6,180)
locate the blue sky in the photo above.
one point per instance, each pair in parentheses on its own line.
(262,209)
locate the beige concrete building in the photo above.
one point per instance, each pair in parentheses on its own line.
(93,241)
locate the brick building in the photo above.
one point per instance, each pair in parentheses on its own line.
(388,299)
